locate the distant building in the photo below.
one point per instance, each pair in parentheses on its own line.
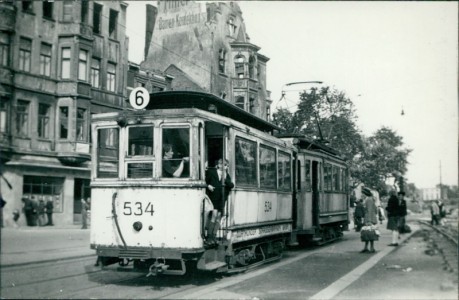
(60,62)
(205,47)
(432,193)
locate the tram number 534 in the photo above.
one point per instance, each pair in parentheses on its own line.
(137,208)
(268,206)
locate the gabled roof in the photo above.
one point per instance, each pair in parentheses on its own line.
(204,101)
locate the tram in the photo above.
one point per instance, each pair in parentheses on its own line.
(286,189)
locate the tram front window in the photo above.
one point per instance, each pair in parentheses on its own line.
(176,152)
(107,153)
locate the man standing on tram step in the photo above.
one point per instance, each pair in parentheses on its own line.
(219,185)
(394,213)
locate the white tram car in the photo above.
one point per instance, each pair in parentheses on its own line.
(142,214)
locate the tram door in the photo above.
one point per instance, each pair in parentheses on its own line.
(215,143)
(315,193)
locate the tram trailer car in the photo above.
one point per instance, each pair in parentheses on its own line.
(158,222)
(321,198)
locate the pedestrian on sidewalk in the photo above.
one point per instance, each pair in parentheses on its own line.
(49,211)
(394,212)
(41,213)
(359,214)
(16,215)
(369,231)
(84,213)
(435,213)
(28,210)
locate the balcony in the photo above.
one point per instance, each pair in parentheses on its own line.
(245,83)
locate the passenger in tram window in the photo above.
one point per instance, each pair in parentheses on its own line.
(169,169)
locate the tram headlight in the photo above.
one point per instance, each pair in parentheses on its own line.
(137,226)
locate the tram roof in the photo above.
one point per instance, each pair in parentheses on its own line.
(200,100)
(308,144)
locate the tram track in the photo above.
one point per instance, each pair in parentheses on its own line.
(445,243)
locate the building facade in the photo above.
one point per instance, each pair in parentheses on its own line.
(60,62)
(205,47)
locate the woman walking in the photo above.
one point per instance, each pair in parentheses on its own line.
(368,233)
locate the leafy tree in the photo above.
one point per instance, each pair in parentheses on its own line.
(383,159)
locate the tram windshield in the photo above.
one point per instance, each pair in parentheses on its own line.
(107,153)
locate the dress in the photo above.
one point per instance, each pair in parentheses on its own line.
(393,213)
(368,232)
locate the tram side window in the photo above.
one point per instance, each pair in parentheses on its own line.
(327,177)
(284,171)
(107,153)
(246,165)
(267,167)
(307,177)
(176,152)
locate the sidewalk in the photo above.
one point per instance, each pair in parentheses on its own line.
(49,243)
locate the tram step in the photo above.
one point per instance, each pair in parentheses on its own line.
(214,265)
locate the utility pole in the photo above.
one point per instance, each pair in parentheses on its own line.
(441,189)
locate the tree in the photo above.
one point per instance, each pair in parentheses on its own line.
(383,159)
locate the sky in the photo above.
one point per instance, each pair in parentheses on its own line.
(385,56)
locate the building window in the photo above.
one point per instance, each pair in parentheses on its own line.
(22,118)
(81,124)
(27,6)
(45,59)
(113,22)
(65,65)
(68,10)
(83,65)
(239,62)
(111,76)
(63,122)
(95,72)
(48,9)
(25,49)
(240,102)
(96,18)
(268,112)
(252,63)
(231,26)
(252,105)
(43,120)
(4,49)
(4,103)
(221,60)
(44,188)
(84,11)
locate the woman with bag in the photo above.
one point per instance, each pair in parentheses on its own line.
(369,232)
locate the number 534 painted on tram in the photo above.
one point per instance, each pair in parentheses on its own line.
(150,203)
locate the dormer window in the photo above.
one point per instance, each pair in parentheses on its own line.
(231,26)
(239,62)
